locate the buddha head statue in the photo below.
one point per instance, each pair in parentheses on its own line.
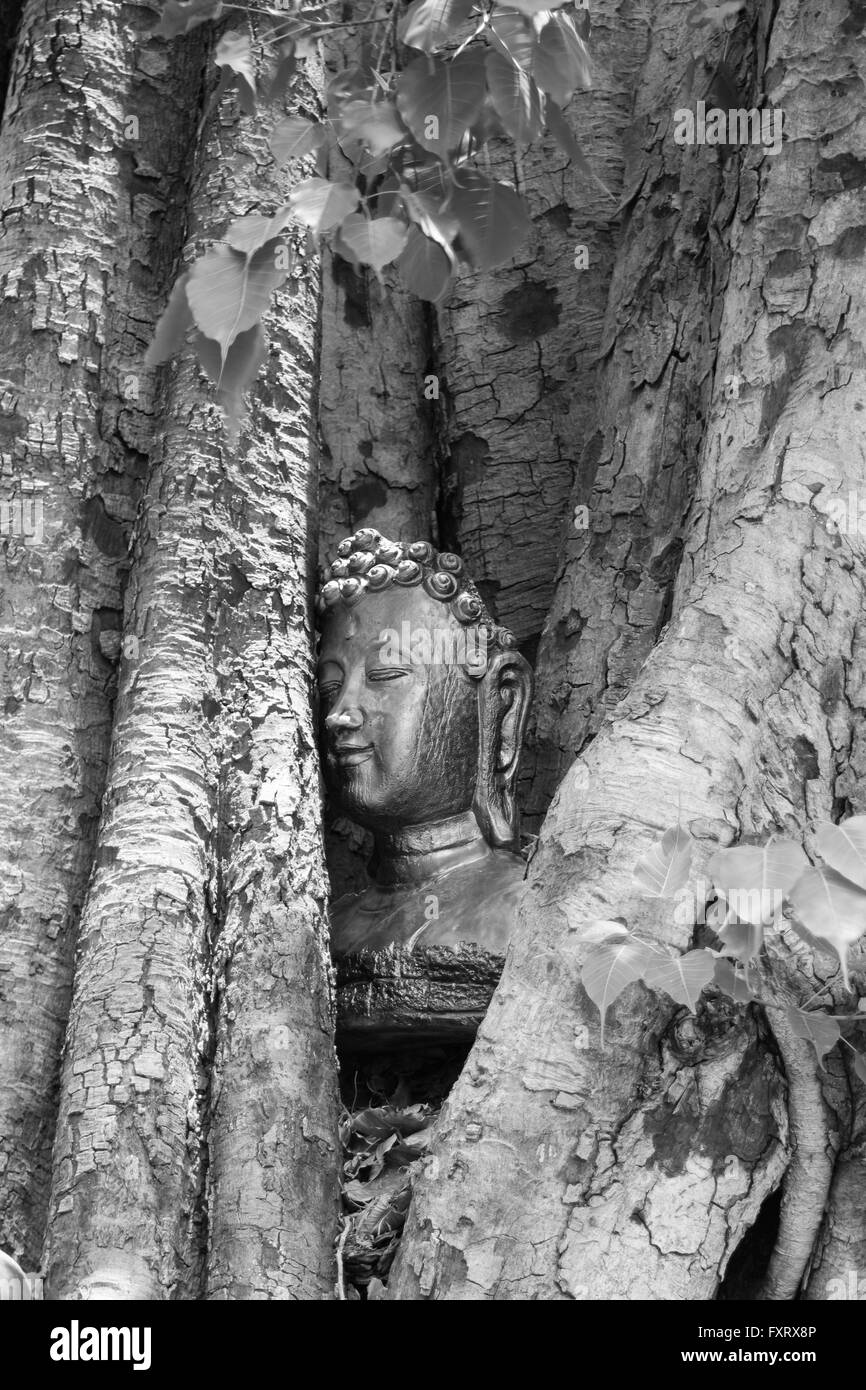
(423,696)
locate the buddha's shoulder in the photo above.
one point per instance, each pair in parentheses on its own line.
(475,902)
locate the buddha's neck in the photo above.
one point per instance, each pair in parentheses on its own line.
(419,852)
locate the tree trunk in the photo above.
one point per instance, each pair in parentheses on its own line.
(698,387)
(657,355)
(515,348)
(210,1005)
(744,719)
(85,249)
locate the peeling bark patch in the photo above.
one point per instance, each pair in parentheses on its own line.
(851,244)
(469,456)
(558,217)
(529,311)
(240,586)
(856,18)
(832,685)
(850,169)
(786,263)
(739,1122)
(806,756)
(790,340)
(366,497)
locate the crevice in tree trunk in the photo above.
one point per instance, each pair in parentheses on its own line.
(385,1093)
(747,1267)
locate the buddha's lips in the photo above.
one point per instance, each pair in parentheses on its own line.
(350,754)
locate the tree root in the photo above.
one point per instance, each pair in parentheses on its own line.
(809,1174)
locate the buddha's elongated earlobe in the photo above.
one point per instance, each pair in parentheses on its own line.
(504,693)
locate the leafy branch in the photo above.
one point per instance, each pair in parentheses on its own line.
(756,887)
(433,85)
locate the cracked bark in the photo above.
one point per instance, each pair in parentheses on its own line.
(273,1146)
(210,1000)
(761,732)
(657,354)
(377,426)
(87,237)
(515,347)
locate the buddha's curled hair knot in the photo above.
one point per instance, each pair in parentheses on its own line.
(380,577)
(467,608)
(441,585)
(368,562)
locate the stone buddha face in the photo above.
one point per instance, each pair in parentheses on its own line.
(423,699)
(399,732)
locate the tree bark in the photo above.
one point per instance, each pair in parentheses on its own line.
(655,376)
(211,1006)
(516,347)
(734,738)
(86,242)
(273,1171)
(704,657)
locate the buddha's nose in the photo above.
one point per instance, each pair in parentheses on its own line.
(347,718)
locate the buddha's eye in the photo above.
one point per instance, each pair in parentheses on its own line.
(329,681)
(386,673)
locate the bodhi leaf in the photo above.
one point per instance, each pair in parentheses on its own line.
(662,872)
(831,909)
(428,23)
(682,977)
(610,967)
(843,847)
(439,100)
(375,243)
(732,982)
(294,137)
(284,71)
(513,36)
(234,372)
(374,124)
(229,292)
(174,323)
(820,1030)
(755,878)
(426,210)
(742,940)
(493,220)
(516,99)
(425,268)
(322,205)
(860,1066)
(560,63)
(234,55)
(248,233)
